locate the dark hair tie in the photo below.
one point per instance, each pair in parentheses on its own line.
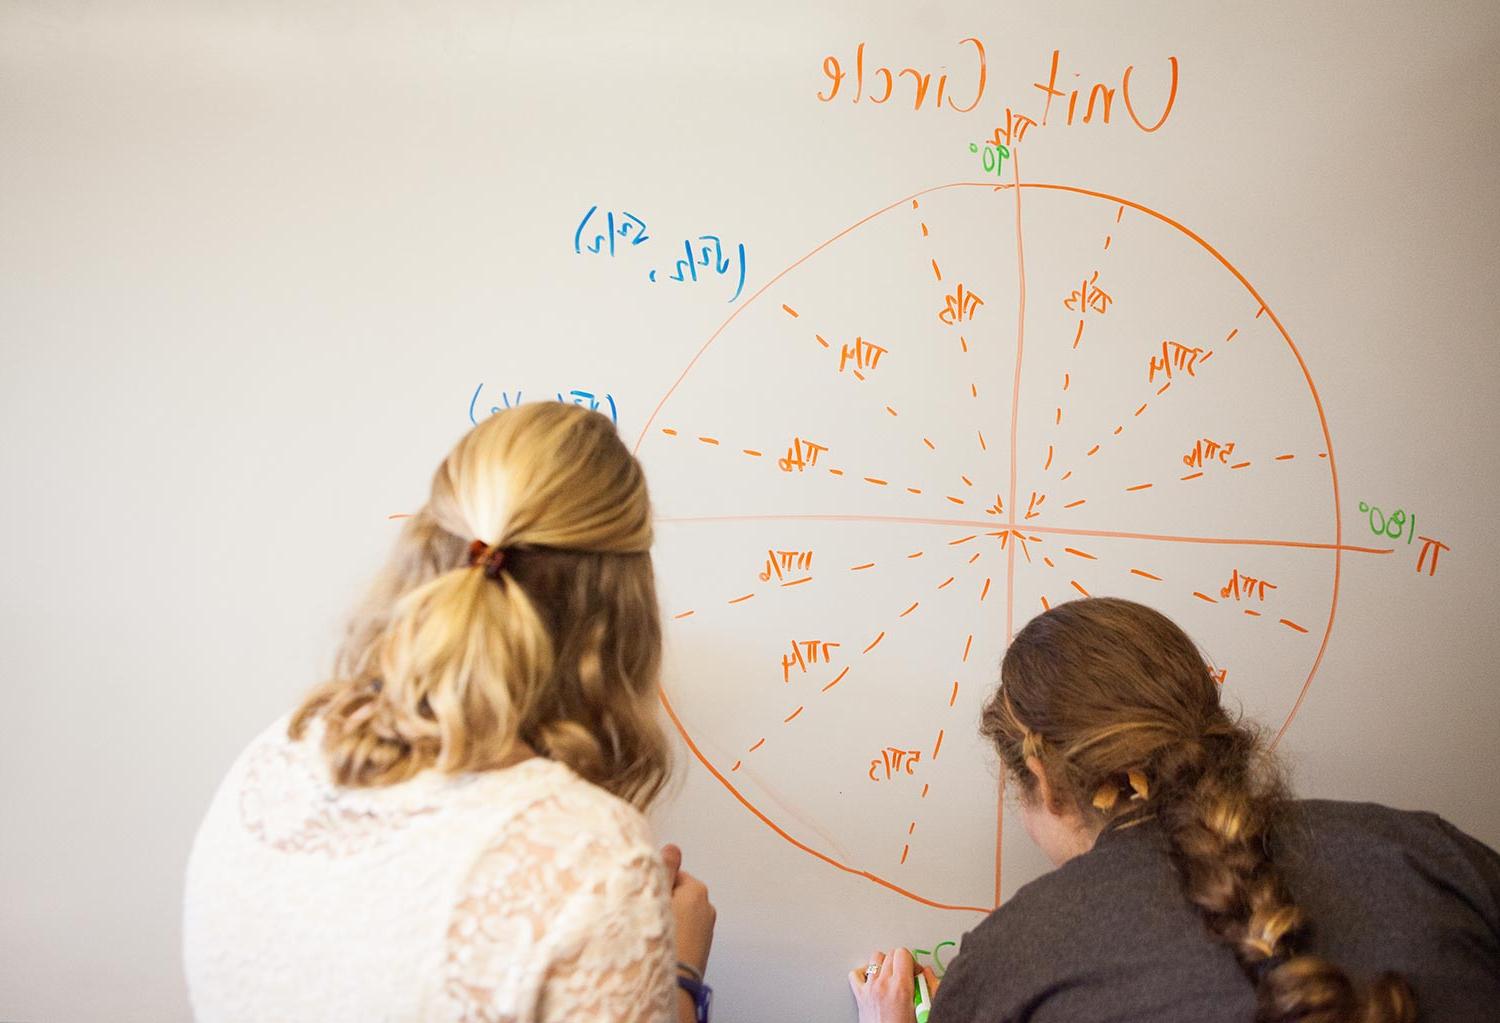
(492,558)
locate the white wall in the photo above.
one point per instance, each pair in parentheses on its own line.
(257,257)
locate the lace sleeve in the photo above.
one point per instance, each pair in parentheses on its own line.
(563,919)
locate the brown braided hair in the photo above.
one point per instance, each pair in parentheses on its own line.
(1121,709)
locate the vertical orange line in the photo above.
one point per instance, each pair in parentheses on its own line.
(1010,554)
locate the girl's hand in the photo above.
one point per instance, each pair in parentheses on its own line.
(693,913)
(887,996)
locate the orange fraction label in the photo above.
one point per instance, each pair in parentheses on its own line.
(802,454)
(860,357)
(1245,587)
(895,761)
(1206,450)
(786,565)
(959,306)
(805,652)
(1088,297)
(1176,356)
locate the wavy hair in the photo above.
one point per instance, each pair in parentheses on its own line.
(1121,709)
(446,667)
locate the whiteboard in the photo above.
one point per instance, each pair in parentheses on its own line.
(919,319)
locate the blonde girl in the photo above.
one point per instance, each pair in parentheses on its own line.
(450,827)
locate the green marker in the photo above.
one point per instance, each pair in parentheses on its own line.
(922,998)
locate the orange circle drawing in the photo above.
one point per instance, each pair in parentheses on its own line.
(1083,405)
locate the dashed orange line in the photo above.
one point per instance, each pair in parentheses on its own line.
(757,746)
(1079,588)
(973,390)
(1142,408)
(788,719)
(790,311)
(986,591)
(916,554)
(1292,625)
(935,271)
(1204,596)
(876,482)
(1076,503)
(968,645)
(1078,336)
(931,446)
(975,557)
(1190,476)
(669,431)
(1048,464)
(751,452)
(1144,575)
(955,500)
(946,583)
(1057,420)
(1140,486)
(924,230)
(1065,475)
(685,614)
(1067,378)
(953,698)
(710,440)
(821,340)
(836,681)
(797,582)
(914,605)
(1285,458)
(1046,606)
(962,540)
(1163,388)
(924,791)
(1106,243)
(1048,562)
(1239,465)
(967,482)
(938,746)
(835,472)
(1118,429)
(1230,336)
(913,490)
(1252,613)
(861,568)
(736,766)
(964,343)
(912,827)
(858,375)
(904,850)
(1093,451)
(1078,553)
(1119,213)
(874,643)
(741,600)
(982,445)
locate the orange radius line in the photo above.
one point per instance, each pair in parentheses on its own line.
(867,875)
(1015,405)
(1051,530)
(1238,541)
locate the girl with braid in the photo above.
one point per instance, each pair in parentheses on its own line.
(1190,886)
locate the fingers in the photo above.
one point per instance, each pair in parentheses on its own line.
(932,979)
(902,962)
(671,855)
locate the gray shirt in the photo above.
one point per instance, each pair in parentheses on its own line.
(1111,936)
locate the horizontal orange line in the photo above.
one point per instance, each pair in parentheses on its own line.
(878,483)
(797,582)
(739,600)
(860,568)
(1139,486)
(709,440)
(1284,458)
(962,539)
(751,452)
(1241,465)
(1048,530)
(685,614)
(1075,504)
(669,431)
(1190,476)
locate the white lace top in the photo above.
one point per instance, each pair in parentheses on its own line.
(511,896)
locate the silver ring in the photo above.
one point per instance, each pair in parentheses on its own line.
(871,970)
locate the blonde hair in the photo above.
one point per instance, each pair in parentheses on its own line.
(1120,708)
(445,667)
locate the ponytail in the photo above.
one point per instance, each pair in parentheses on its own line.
(1116,701)
(459,663)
